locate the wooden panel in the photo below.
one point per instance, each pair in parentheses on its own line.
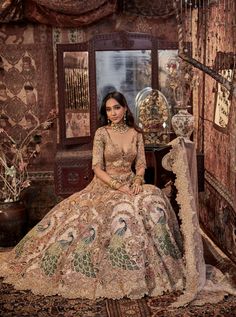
(155,173)
(72,171)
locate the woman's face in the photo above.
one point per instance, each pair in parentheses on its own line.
(115,112)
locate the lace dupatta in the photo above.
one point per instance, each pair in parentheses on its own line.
(204,283)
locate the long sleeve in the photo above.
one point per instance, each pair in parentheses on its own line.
(140,161)
(98,150)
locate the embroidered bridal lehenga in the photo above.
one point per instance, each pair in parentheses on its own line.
(102,243)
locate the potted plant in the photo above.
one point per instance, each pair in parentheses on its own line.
(15,157)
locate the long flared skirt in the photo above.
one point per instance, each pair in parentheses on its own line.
(101,243)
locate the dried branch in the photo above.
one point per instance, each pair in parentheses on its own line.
(14,160)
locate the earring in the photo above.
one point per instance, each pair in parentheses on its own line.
(108,121)
(125,117)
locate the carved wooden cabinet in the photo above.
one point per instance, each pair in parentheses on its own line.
(155,174)
(72,171)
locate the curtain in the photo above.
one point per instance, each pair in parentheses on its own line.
(61,13)
(72,7)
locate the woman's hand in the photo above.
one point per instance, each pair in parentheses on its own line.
(137,184)
(136,188)
(126,190)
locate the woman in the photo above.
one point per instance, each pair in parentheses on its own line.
(115,238)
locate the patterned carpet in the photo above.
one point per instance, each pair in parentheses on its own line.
(24,304)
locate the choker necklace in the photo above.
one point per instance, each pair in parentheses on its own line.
(119,127)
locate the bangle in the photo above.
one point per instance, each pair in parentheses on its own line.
(140,178)
(115,184)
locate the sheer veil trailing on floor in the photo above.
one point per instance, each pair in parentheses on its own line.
(204,283)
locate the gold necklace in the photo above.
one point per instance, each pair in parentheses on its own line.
(119,127)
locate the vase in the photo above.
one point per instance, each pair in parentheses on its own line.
(13,221)
(183,123)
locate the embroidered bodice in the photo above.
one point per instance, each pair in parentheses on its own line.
(117,157)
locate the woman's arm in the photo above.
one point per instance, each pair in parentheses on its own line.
(140,165)
(102,175)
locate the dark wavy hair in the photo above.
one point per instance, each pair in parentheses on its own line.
(120,98)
